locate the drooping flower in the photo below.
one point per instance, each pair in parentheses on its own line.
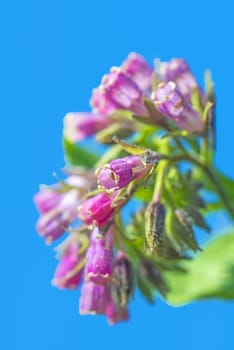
(94,298)
(52,224)
(97,210)
(58,206)
(120,172)
(100,257)
(68,272)
(136,67)
(78,126)
(169,101)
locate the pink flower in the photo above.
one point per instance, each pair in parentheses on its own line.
(169,101)
(123,91)
(94,298)
(97,210)
(178,71)
(78,126)
(100,257)
(58,206)
(52,224)
(101,103)
(136,67)
(68,273)
(120,172)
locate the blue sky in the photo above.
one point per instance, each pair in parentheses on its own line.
(52,54)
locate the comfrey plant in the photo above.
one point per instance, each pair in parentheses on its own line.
(157,125)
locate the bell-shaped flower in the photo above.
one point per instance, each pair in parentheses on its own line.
(120,172)
(100,257)
(136,67)
(94,298)
(169,101)
(69,272)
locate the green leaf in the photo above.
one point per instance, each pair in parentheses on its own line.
(209,275)
(78,156)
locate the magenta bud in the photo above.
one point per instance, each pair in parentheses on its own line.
(68,272)
(120,172)
(122,91)
(136,67)
(100,257)
(97,210)
(53,223)
(171,104)
(78,126)
(94,298)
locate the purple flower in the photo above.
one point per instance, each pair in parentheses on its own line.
(171,104)
(48,198)
(101,103)
(115,313)
(136,67)
(51,225)
(97,210)
(94,298)
(122,91)
(178,71)
(77,126)
(58,206)
(68,273)
(100,257)
(120,172)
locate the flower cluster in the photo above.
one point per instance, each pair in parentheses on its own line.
(158,110)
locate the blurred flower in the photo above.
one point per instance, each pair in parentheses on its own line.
(169,101)
(178,71)
(68,272)
(58,206)
(77,126)
(136,67)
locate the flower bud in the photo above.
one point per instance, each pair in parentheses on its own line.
(116,314)
(170,102)
(97,210)
(100,257)
(154,218)
(94,298)
(68,273)
(120,172)
(136,67)
(123,280)
(78,126)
